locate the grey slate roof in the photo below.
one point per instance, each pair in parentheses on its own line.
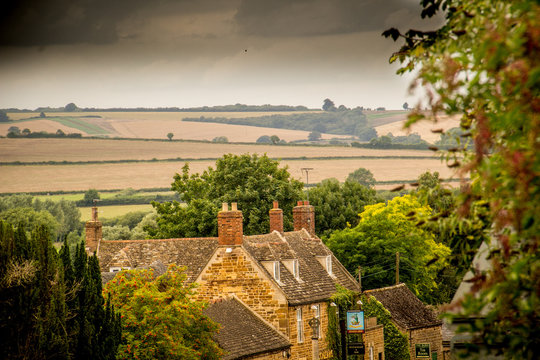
(406,309)
(242,332)
(194,253)
(315,283)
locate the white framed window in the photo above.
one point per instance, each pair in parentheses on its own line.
(300,325)
(277,275)
(329,264)
(296,269)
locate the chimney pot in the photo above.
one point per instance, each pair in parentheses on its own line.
(276,204)
(299,203)
(224,207)
(234,206)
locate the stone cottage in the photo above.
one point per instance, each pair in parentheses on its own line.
(272,284)
(413,318)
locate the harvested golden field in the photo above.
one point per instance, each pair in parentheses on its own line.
(33,178)
(423,128)
(156,125)
(31,150)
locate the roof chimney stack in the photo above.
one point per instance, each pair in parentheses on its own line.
(230,230)
(276,218)
(304,217)
(93,232)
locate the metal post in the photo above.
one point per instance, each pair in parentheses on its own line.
(307,170)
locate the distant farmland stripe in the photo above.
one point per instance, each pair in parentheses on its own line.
(65,162)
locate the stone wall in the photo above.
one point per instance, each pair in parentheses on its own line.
(374,339)
(236,273)
(304,350)
(430,335)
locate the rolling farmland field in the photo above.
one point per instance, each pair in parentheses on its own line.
(152,125)
(327,162)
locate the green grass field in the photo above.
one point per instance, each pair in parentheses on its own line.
(103,195)
(113,211)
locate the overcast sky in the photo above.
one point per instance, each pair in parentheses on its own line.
(130,53)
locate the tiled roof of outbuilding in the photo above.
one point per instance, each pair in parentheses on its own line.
(315,283)
(406,309)
(194,253)
(242,332)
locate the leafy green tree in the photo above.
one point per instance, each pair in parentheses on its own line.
(265,139)
(42,115)
(70,107)
(160,319)
(89,196)
(314,136)
(328,105)
(483,65)
(220,139)
(405,106)
(13,130)
(362,176)
(274,139)
(250,180)
(338,205)
(116,232)
(4,116)
(29,219)
(170,136)
(383,230)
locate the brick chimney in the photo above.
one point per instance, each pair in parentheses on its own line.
(230,231)
(93,232)
(304,217)
(276,218)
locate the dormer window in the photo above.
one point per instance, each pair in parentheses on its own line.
(329,264)
(296,269)
(277,274)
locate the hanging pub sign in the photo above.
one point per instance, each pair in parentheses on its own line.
(422,351)
(355,321)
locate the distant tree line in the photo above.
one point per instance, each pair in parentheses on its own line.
(340,122)
(71,107)
(15,132)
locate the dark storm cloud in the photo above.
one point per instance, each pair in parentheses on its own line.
(53,22)
(322,17)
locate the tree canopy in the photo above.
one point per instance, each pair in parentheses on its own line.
(483,65)
(51,306)
(339,205)
(252,181)
(362,176)
(160,319)
(4,116)
(383,230)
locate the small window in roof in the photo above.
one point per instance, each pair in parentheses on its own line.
(329,264)
(277,275)
(296,269)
